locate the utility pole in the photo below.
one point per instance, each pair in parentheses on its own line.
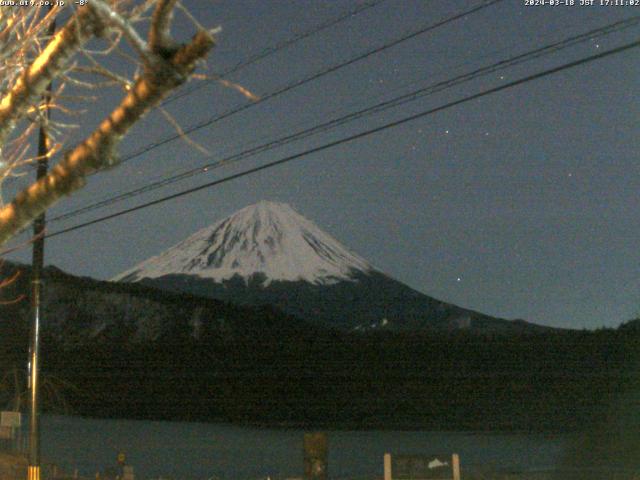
(33,472)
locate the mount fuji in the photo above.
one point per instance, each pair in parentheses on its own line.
(267,238)
(267,253)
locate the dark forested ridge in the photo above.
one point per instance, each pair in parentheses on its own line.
(367,301)
(131,351)
(552,382)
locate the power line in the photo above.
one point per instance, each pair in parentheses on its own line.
(400,100)
(295,84)
(298,83)
(357,136)
(271,50)
(308,79)
(267,52)
(279,46)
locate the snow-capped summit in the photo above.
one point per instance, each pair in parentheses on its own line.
(268,238)
(267,254)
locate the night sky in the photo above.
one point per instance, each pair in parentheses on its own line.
(521,204)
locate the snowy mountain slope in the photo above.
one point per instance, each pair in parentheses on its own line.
(267,254)
(268,238)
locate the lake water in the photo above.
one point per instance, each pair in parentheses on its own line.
(201,451)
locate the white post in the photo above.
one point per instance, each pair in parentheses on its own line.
(387,466)
(455,461)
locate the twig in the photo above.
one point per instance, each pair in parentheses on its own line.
(98,151)
(110,17)
(51,62)
(183,135)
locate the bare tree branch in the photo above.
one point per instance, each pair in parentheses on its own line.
(183,135)
(50,63)
(159,33)
(98,151)
(110,17)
